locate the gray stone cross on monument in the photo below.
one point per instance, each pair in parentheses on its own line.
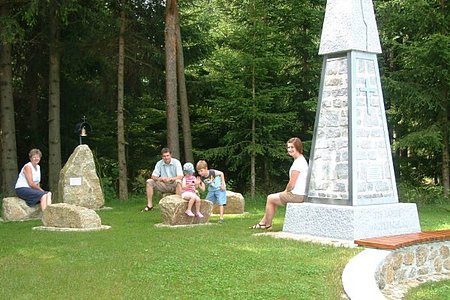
(351,188)
(367,89)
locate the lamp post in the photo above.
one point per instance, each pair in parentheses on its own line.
(83,129)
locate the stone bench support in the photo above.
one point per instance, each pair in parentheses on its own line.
(16,209)
(378,272)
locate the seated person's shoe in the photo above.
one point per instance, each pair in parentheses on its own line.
(189,213)
(147,209)
(199,214)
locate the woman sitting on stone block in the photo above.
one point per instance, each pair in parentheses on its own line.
(28,182)
(295,188)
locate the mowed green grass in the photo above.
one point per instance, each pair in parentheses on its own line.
(137,260)
(430,291)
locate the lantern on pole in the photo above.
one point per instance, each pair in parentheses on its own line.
(83,129)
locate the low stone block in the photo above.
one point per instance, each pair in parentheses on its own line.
(173,207)
(16,209)
(66,215)
(235,204)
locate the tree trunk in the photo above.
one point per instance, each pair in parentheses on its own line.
(123,186)
(31,88)
(8,159)
(171,79)
(54,138)
(445,142)
(445,124)
(253,155)
(184,104)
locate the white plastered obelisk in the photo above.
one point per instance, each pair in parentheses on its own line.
(352,193)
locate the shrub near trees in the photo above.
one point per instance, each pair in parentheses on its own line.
(252,77)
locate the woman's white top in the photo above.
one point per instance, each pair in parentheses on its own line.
(22,180)
(301,166)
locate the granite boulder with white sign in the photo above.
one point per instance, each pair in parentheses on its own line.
(78,180)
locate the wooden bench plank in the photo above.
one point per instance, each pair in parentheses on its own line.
(402,240)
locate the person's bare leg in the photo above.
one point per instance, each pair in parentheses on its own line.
(44,202)
(49,198)
(221,210)
(149,191)
(273,200)
(189,207)
(178,189)
(190,203)
(197,205)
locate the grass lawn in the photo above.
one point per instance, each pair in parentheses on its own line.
(430,291)
(136,260)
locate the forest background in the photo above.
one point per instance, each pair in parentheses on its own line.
(229,80)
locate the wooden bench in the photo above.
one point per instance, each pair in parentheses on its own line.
(404,240)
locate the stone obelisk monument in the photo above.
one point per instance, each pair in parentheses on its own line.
(352,192)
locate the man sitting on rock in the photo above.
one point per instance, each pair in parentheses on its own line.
(166,177)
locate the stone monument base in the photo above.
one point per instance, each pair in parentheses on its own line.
(351,222)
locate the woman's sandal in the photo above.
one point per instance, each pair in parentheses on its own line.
(147,208)
(261,226)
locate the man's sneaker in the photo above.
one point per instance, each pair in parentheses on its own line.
(220,221)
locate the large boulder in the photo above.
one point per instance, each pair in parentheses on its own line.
(173,207)
(65,215)
(78,181)
(16,209)
(235,204)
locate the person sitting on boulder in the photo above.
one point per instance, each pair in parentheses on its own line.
(166,177)
(189,185)
(28,182)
